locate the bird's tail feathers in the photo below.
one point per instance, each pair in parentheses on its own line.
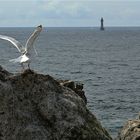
(16,60)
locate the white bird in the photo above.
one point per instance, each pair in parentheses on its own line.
(24,50)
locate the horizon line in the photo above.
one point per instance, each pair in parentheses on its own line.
(116,26)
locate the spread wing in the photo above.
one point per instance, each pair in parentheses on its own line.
(16,43)
(32,38)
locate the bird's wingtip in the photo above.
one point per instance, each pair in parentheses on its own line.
(40,26)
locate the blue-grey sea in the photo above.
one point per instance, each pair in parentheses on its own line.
(107,62)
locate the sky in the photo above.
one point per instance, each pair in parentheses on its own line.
(69,13)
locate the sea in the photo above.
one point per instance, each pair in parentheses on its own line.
(106,62)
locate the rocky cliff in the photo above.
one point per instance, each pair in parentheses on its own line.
(38,107)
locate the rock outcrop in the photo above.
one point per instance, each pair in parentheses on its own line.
(131,130)
(37,107)
(77,87)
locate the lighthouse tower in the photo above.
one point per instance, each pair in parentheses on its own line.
(102,24)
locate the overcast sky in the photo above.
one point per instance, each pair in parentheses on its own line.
(60,13)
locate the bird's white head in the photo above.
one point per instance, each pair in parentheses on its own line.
(23,51)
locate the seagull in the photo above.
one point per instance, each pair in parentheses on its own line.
(24,50)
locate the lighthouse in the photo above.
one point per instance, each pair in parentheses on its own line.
(102,24)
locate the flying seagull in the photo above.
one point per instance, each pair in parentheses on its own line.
(24,50)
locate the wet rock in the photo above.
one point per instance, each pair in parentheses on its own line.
(130,131)
(37,107)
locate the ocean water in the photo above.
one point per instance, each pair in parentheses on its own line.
(107,62)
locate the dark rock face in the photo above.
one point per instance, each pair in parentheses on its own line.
(3,74)
(130,131)
(37,107)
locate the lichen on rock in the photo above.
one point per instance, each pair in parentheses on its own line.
(131,130)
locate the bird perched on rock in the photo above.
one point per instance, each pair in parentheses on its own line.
(24,50)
